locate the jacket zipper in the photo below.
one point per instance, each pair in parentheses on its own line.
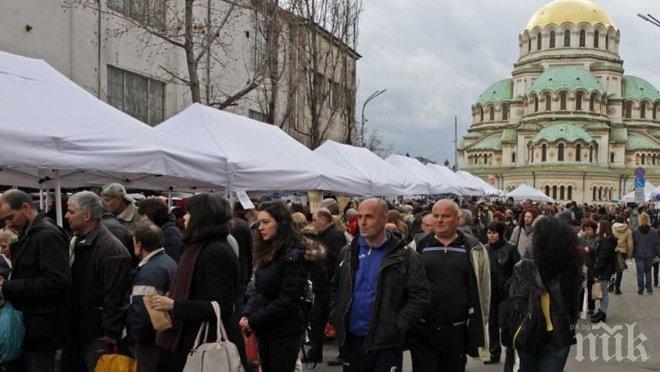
(387,262)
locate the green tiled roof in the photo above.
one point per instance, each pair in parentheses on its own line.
(492,142)
(509,135)
(567,131)
(498,92)
(638,141)
(638,89)
(619,135)
(566,77)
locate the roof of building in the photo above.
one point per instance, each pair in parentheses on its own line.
(566,77)
(619,135)
(498,92)
(509,135)
(638,89)
(490,142)
(638,141)
(569,132)
(559,12)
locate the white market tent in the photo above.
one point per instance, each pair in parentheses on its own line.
(488,189)
(418,171)
(261,156)
(467,188)
(649,188)
(385,179)
(53,132)
(524,192)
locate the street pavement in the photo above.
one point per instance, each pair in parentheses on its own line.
(613,349)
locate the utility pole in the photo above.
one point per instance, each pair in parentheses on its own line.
(371,97)
(456,142)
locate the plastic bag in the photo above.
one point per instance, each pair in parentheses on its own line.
(115,363)
(251,349)
(12,333)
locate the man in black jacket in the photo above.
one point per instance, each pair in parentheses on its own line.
(101,281)
(40,281)
(321,274)
(379,291)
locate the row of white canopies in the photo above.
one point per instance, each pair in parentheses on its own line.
(55,134)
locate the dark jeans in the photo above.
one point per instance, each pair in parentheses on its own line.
(644,273)
(318,318)
(33,362)
(552,360)
(439,350)
(494,330)
(619,275)
(509,359)
(279,354)
(357,360)
(147,356)
(655,274)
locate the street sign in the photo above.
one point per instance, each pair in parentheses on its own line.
(639,182)
(640,172)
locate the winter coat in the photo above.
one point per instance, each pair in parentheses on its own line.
(321,273)
(40,284)
(502,256)
(241,232)
(172,240)
(605,258)
(522,240)
(401,294)
(274,309)
(645,240)
(101,282)
(624,237)
(119,231)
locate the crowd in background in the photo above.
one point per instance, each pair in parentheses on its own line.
(445,279)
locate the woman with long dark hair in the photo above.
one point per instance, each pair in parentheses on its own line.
(523,234)
(208,271)
(274,310)
(605,266)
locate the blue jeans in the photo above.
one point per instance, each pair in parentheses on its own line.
(34,362)
(605,301)
(644,265)
(551,360)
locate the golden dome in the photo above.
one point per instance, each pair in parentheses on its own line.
(559,12)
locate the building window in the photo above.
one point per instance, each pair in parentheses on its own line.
(505,111)
(547,190)
(591,154)
(554,192)
(536,104)
(529,45)
(560,152)
(544,152)
(642,111)
(151,13)
(256,115)
(578,101)
(592,103)
(600,193)
(567,38)
(561,192)
(611,157)
(570,193)
(643,159)
(607,42)
(548,102)
(562,101)
(491,115)
(481,113)
(596,39)
(578,152)
(627,108)
(583,38)
(513,157)
(655,111)
(139,96)
(552,39)
(593,197)
(538,41)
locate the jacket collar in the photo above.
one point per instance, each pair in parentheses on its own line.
(150,255)
(128,214)
(89,239)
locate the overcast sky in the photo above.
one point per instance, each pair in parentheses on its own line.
(435,57)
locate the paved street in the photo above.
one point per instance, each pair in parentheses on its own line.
(626,309)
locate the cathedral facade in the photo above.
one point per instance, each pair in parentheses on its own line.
(569,122)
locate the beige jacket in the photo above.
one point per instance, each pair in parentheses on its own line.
(624,235)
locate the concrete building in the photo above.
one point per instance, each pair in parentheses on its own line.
(569,121)
(137,72)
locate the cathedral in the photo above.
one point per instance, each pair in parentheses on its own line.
(570,121)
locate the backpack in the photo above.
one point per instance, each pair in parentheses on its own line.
(535,330)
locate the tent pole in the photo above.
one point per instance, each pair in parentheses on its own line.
(41,197)
(169,199)
(47,206)
(58,198)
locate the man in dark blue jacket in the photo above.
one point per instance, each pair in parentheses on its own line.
(154,275)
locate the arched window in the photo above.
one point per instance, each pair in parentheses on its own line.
(513,157)
(591,154)
(627,108)
(578,152)
(567,38)
(600,193)
(481,112)
(552,39)
(561,193)
(548,102)
(544,151)
(592,103)
(642,111)
(570,193)
(536,104)
(578,101)
(491,115)
(593,197)
(560,152)
(643,159)
(655,111)
(611,157)
(505,111)
(554,192)
(529,45)
(538,41)
(562,101)
(596,39)
(583,38)
(547,190)
(607,42)
(654,159)
(610,194)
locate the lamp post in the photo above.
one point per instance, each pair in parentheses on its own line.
(650,19)
(371,98)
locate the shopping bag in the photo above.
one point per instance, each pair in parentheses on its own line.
(115,363)
(329,331)
(251,349)
(12,333)
(160,319)
(620,263)
(596,291)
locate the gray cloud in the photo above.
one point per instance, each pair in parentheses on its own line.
(436,57)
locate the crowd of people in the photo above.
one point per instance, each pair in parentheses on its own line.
(445,279)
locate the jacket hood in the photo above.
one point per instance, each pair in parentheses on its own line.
(644,229)
(314,250)
(619,227)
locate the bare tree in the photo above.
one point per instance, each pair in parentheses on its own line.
(375,142)
(195,27)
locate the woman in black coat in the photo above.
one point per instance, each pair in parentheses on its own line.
(208,271)
(274,309)
(605,266)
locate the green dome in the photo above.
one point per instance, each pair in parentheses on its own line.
(638,89)
(492,142)
(566,77)
(568,132)
(498,92)
(637,141)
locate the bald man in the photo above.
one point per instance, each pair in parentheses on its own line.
(379,291)
(457,268)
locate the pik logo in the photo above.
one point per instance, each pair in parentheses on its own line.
(628,345)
